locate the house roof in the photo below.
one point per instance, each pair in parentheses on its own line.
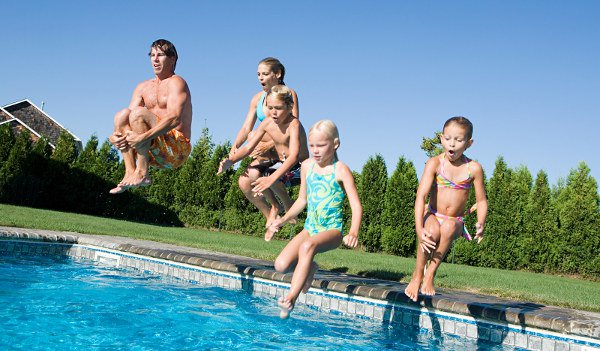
(25,114)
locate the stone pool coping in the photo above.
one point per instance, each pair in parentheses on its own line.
(482,307)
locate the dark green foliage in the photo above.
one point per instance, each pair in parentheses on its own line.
(42,148)
(537,252)
(14,169)
(66,149)
(214,188)
(163,186)
(464,251)
(579,233)
(7,140)
(432,146)
(235,199)
(528,227)
(87,158)
(374,183)
(398,218)
(500,221)
(107,163)
(188,190)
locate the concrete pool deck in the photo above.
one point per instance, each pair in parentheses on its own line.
(487,308)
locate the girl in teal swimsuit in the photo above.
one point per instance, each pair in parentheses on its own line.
(325,182)
(447,180)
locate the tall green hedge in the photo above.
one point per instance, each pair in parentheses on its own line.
(398,220)
(372,194)
(531,225)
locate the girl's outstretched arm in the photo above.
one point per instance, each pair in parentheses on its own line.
(344,176)
(480,200)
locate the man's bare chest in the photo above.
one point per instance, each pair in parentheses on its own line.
(155,96)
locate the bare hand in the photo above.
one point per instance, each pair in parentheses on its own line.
(479,232)
(136,140)
(119,141)
(426,243)
(277,223)
(351,240)
(260,185)
(224,165)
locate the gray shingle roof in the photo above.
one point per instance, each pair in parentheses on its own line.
(25,114)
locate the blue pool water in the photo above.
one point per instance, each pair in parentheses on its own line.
(53,303)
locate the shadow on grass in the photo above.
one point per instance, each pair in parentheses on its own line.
(383,274)
(53,185)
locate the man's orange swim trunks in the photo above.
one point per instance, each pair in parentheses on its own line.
(169,150)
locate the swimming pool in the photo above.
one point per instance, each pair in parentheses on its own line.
(60,303)
(479,322)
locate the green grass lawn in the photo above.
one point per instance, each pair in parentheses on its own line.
(541,288)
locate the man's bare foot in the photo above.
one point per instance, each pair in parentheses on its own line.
(427,287)
(123,185)
(118,189)
(412,290)
(309,279)
(285,307)
(139,180)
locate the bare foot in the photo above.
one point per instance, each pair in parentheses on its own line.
(123,185)
(293,221)
(427,287)
(118,189)
(285,307)
(273,214)
(311,273)
(412,290)
(139,180)
(269,233)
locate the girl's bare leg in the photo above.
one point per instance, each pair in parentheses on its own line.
(307,250)
(449,230)
(412,290)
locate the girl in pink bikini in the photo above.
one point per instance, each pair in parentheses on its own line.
(441,221)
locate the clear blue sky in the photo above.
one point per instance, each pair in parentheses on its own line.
(527,73)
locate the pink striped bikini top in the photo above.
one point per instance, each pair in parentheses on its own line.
(444,182)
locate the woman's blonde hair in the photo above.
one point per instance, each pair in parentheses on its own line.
(283,94)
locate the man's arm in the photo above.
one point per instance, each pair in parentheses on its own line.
(136,98)
(178,96)
(117,138)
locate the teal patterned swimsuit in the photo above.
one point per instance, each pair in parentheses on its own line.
(325,199)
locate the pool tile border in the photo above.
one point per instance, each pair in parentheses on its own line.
(521,325)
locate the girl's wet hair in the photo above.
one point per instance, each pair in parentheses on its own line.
(167,47)
(276,67)
(463,122)
(283,94)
